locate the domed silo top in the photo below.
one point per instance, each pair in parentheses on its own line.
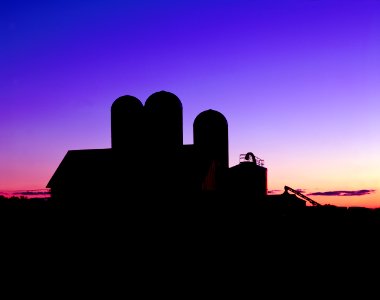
(163,101)
(211,118)
(126,103)
(163,112)
(126,123)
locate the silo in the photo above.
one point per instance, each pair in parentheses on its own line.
(247,179)
(210,131)
(127,124)
(163,113)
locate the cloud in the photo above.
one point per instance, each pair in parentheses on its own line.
(40,193)
(33,193)
(343,193)
(274,191)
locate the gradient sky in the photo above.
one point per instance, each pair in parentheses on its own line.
(298,81)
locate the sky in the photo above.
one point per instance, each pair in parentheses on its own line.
(297,80)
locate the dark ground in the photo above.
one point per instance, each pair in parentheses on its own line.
(191,247)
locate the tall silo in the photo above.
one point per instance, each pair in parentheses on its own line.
(127,131)
(163,113)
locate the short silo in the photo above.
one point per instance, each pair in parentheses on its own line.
(248,178)
(210,131)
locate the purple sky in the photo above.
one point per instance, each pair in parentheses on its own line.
(298,81)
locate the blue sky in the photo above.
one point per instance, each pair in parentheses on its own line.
(296,80)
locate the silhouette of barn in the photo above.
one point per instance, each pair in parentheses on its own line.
(148,159)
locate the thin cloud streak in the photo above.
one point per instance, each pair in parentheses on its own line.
(274,191)
(343,193)
(26,193)
(33,193)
